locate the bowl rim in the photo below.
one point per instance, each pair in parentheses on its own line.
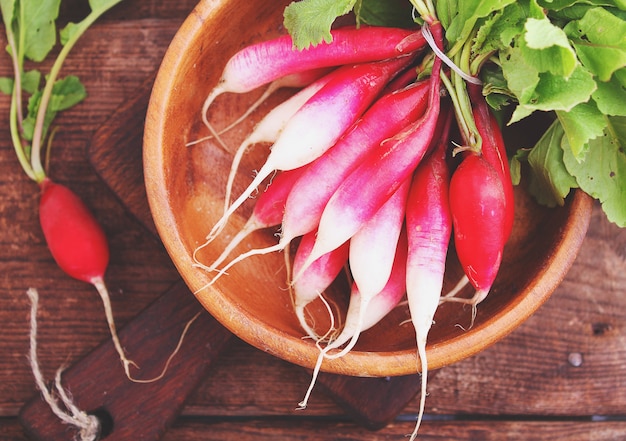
(295,350)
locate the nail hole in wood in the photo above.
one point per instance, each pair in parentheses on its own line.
(106,422)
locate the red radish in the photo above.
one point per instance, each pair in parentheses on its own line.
(317,278)
(375,309)
(267,212)
(478,206)
(269,129)
(80,248)
(311,193)
(261,63)
(74,237)
(369,185)
(77,243)
(402,80)
(494,150)
(321,121)
(429,226)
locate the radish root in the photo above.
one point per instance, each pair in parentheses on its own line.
(106,300)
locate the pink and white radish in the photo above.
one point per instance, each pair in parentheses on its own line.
(379,175)
(375,310)
(310,194)
(297,80)
(373,251)
(262,63)
(268,130)
(316,279)
(429,226)
(317,126)
(267,212)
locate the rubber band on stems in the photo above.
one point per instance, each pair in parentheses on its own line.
(88,426)
(428,36)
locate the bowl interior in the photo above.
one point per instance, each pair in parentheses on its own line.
(185,186)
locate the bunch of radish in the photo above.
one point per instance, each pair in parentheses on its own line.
(363,179)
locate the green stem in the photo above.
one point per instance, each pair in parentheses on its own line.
(425,9)
(38,132)
(17,140)
(456,105)
(16,110)
(465,106)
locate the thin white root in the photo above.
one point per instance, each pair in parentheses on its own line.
(205,108)
(473,301)
(421,352)
(106,300)
(233,172)
(263,173)
(108,311)
(247,229)
(88,425)
(224,270)
(273,87)
(310,332)
(174,352)
(462,283)
(324,352)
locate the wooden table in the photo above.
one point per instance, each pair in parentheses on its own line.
(561,375)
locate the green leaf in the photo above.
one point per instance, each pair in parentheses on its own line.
(549,182)
(600,42)
(468,13)
(498,30)
(39,27)
(546,48)
(66,93)
(30,81)
(7,7)
(582,124)
(309,21)
(611,96)
(396,13)
(495,87)
(446,10)
(521,77)
(69,32)
(6,85)
(553,92)
(557,5)
(602,174)
(102,5)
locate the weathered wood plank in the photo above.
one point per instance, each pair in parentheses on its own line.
(320,430)
(527,374)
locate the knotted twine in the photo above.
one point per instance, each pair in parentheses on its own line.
(88,425)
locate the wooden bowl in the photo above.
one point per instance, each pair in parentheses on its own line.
(185,186)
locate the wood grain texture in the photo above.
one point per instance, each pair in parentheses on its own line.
(481,430)
(130,410)
(524,379)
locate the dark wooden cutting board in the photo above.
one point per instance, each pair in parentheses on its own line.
(116,155)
